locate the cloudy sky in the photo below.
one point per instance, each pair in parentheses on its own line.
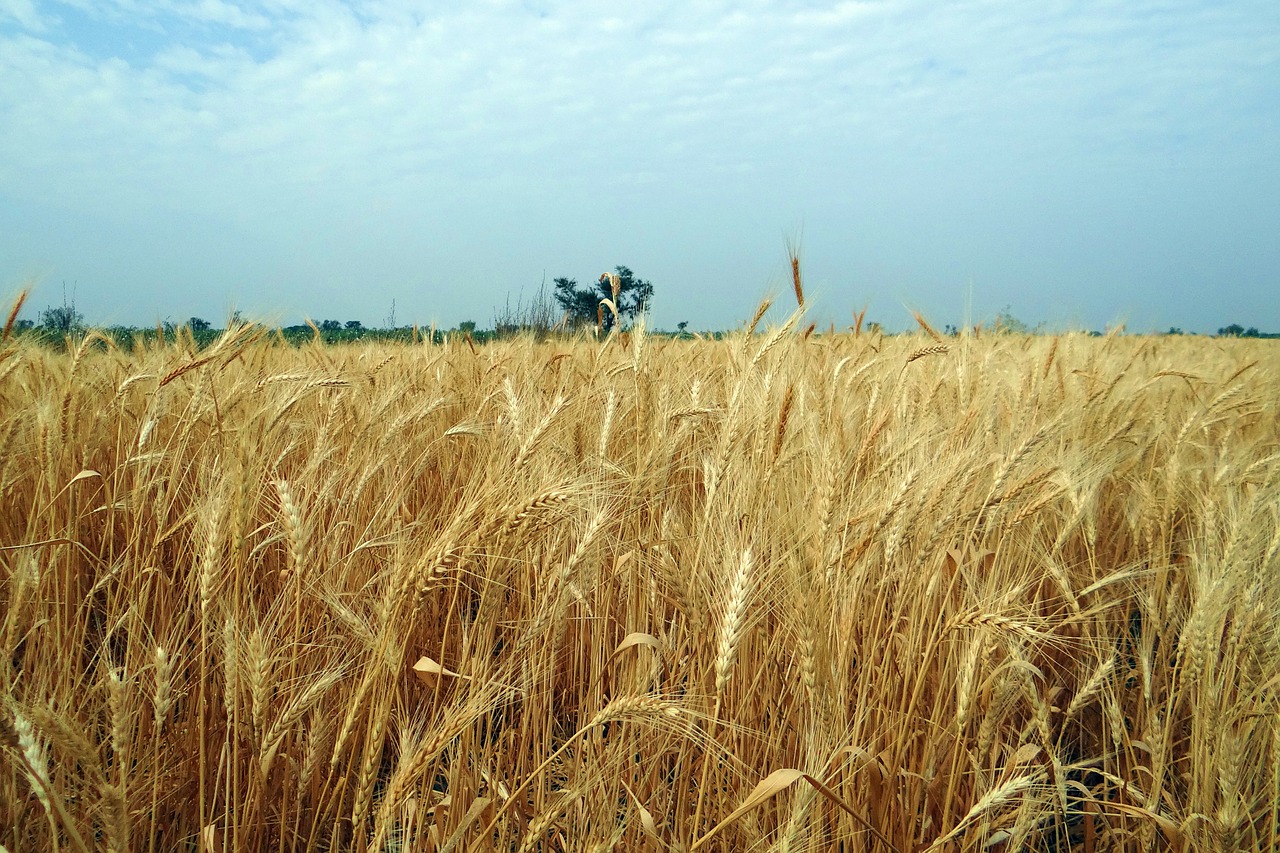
(1082,163)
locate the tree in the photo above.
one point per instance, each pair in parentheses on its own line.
(1235,330)
(330,326)
(584,304)
(1009,324)
(355,326)
(61,319)
(198,324)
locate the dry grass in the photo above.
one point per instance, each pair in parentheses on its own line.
(1021,594)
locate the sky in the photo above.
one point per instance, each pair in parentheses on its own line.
(1078,164)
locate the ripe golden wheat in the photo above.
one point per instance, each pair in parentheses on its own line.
(1022,595)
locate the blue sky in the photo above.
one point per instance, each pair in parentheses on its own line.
(1083,163)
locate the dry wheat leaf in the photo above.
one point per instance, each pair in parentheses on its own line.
(431,672)
(647,822)
(768,788)
(638,638)
(1025,753)
(86,474)
(480,807)
(860,756)
(608,303)
(646,818)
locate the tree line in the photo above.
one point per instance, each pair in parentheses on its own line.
(615,299)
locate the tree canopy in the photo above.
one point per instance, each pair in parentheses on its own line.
(583,304)
(61,319)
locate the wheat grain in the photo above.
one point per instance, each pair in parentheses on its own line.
(1091,687)
(733,621)
(35,754)
(795,279)
(775,338)
(534,507)
(13,315)
(761,309)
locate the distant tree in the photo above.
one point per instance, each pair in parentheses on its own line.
(467,327)
(1252,332)
(1235,330)
(330,326)
(583,304)
(24,325)
(198,324)
(580,305)
(61,319)
(355,326)
(682,327)
(1174,330)
(1006,322)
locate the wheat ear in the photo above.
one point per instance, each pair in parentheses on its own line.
(13,315)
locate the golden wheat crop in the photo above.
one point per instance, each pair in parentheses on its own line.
(776,591)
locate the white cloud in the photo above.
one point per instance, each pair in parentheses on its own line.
(281,114)
(465,84)
(24,13)
(218,12)
(137,12)
(838,15)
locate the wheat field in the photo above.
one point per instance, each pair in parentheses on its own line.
(778,591)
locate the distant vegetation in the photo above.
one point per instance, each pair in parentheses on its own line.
(1236,331)
(564,309)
